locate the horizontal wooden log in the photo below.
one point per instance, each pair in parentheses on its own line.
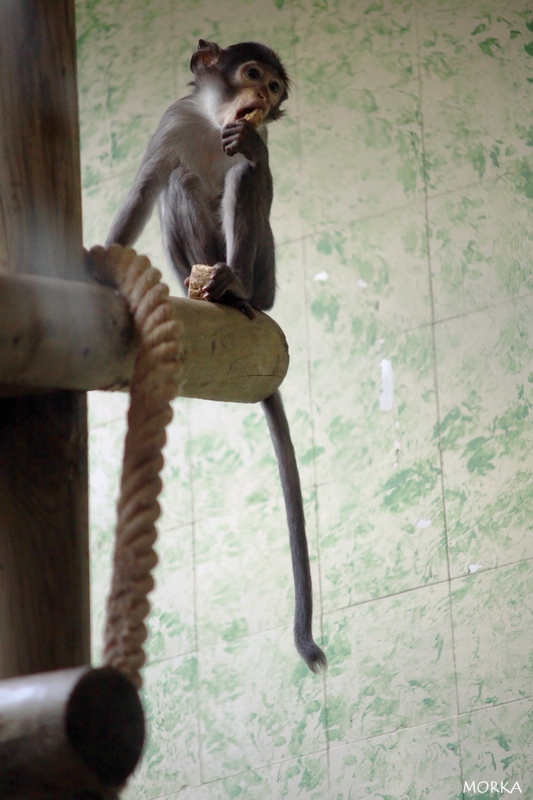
(228,356)
(63,335)
(70,335)
(70,733)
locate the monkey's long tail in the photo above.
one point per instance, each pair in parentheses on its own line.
(290,482)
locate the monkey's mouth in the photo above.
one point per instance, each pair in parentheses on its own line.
(255,110)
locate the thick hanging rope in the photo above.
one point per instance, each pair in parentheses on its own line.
(155,382)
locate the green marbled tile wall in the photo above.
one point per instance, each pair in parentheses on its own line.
(403,216)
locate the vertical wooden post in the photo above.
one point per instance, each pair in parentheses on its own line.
(44,576)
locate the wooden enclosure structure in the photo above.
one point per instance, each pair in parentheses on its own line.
(68,731)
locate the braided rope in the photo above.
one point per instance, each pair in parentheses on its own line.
(155,382)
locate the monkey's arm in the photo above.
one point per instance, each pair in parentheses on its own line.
(245,213)
(160,159)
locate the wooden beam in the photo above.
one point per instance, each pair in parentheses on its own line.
(44,577)
(68,734)
(40,192)
(77,336)
(63,334)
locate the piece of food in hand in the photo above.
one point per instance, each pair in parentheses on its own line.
(255,117)
(200,275)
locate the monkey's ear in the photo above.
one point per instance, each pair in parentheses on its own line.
(206,55)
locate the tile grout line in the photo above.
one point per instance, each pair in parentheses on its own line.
(437,390)
(317,523)
(368,601)
(433,321)
(436,721)
(518,298)
(173,38)
(195,594)
(425,196)
(310,388)
(451,580)
(175,82)
(462,187)
(276,763)
(372,738)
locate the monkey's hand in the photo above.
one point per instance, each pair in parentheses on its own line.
(225,287)
(241,137)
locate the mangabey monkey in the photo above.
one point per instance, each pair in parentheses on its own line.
(208,167)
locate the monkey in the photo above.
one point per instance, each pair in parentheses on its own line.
(207,168)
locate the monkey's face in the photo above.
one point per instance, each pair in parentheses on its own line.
(257,91)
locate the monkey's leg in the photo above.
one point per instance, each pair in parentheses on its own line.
(245,207)
(188,224)
(265,272)
(290,482)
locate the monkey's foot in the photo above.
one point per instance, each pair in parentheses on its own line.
(237,302)
(200,287)
(225,287)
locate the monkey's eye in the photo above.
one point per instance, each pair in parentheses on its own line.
(274,87)
(253,73)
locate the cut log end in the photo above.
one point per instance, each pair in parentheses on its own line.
(69,733)
(65,334)
(105,724)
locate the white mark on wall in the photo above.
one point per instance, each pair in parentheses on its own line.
(386,398)
(321,276)
(363,284)
(473,568)
(423,523)
(397,448)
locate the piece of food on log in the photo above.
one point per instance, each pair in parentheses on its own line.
(200,276)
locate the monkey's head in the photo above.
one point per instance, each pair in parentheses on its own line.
(243,80)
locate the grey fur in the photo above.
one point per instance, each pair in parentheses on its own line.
(214,209)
